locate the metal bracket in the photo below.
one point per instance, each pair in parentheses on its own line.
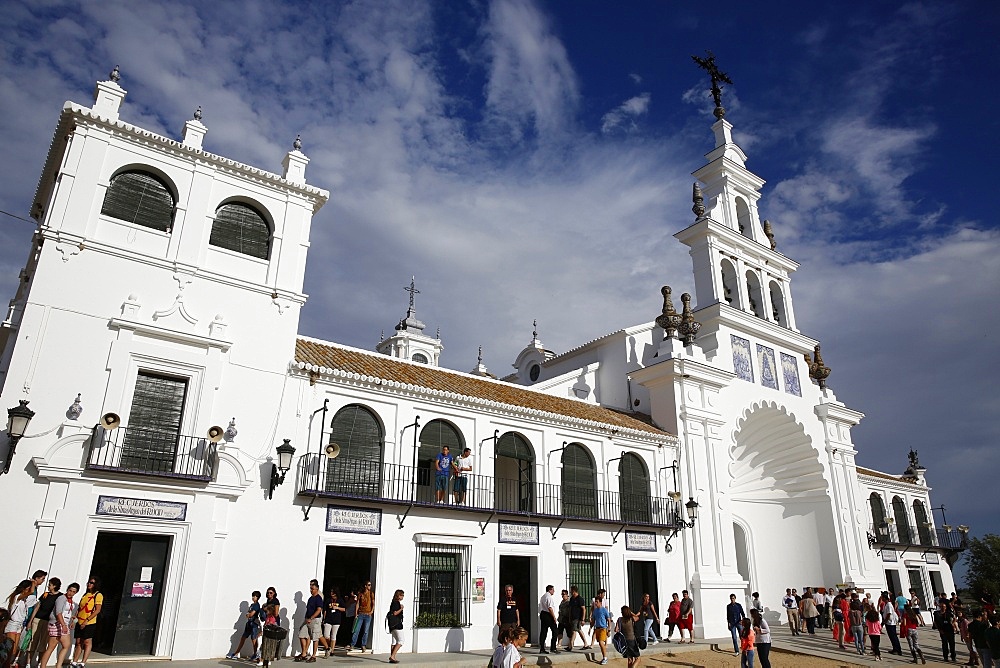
(482,527)
(614,539)
(403,518)
(667,548)
(558,526)
(305,517)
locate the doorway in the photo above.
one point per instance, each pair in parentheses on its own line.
(131,569)
(642,580)
(517,571)
(892,581)
(346,570)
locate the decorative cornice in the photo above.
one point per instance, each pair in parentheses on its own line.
(338,376)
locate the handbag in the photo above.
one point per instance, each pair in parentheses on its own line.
(618,640)
(275,632)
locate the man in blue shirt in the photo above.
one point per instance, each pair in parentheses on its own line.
(734,619)
(600,617)
(312,627)
(442,471)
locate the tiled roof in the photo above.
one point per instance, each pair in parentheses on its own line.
(386,368)
(884,476)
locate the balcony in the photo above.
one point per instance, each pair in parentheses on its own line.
(405,486)
(149,452)
(895,535)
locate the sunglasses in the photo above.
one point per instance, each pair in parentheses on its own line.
(91,582)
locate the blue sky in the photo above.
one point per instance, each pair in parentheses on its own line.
(532,160)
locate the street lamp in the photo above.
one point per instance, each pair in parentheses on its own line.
(18,419)
(692,512)
(285,452)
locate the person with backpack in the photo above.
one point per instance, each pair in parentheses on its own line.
(59,621)
(86,622)
(40,614)
(251,629)
(394,622)
(626,626)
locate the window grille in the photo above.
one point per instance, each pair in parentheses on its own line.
(923,524)
(902,521)
(358,469)
(579,482)
(140,198)
(154,423)
(633,487)
(238,227)
(588,572)
(443,586)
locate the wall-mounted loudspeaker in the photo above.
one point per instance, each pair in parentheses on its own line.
(110,421)
(215,434)
(333,451)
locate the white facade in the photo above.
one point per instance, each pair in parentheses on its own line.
(733,421)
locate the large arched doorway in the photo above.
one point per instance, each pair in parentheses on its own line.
(579,482)
(513,471)
(358,469)
(777,487)
(633,489)
(435,435)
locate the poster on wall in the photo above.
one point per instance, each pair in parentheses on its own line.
(479,581)
(142,590)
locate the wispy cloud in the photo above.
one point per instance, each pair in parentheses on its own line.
(625,116)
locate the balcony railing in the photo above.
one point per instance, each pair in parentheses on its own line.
(403,485)
(149,452)
(893,534)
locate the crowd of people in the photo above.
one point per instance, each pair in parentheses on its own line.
(858,623)
(39,622)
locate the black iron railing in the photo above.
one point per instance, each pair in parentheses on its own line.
(152,453)
(892,534)
(403,485)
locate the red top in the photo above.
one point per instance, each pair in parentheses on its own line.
(674,612)
(746,642)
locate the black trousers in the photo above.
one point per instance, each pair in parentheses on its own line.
(811,625)
(875,640)
(548,623)
(948,644)
(890,630)
(764,654)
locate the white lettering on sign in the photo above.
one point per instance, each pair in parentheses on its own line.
(640,541)
(522,533)
(931,558)
(125,507)
(889,555)
(353,520)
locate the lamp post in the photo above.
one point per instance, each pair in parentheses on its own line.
(278,471)
(692,512)
(18,419)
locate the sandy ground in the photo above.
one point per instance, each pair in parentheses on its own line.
(720,659)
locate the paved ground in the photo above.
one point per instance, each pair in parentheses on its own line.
(821,645)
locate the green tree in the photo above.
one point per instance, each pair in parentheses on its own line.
(983,558)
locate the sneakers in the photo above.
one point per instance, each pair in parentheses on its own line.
(231,655)
(604,661)
(255,658)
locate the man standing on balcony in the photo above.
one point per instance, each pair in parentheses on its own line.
(547,616)
(442,471)
(462,465)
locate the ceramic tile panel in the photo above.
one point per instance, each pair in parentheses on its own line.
(742,364)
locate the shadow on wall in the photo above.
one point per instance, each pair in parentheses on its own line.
(455,641)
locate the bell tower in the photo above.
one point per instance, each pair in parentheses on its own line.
(409,342)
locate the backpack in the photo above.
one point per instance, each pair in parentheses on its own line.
(838,615)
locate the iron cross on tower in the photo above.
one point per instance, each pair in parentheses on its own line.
(412,289)
(708,64)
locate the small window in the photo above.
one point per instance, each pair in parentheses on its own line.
(445,581)
(140,198)
(534,372)
(154,425)
(420,357)
(239,228)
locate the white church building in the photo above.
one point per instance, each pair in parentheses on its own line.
(187,445)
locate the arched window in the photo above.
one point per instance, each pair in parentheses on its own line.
(778,304)
(513,466)
(358,469)
(923,524)
(140,198)
(420,358)
(435,435)
(579,482)
(239,227)
(633,487)
(879,525)
(730,290)
(902,521)
(754,295)
(743,218)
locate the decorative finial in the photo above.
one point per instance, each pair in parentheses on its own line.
(74,411)
(914,461)
(689,327)
(769,233)
(412,289)
(699,201)
(534,329)
(297,144)
(381,336)
(708,64)
(231,431)
(438,335)
(480,354)
(115,75)
(669,319)
(197,113)
(817,371)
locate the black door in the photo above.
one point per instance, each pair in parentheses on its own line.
(346,570)
(132,569)
(642,580)
(516,571)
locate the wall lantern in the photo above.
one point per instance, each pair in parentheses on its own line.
(278,471)
(692,512)
(18,419)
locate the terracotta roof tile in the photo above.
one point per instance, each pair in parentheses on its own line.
(884,476)
(384,367)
